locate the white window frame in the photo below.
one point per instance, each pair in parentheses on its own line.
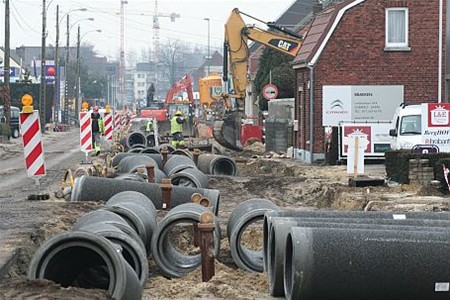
(397,46)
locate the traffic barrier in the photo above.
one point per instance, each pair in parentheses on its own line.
(88,188)
(117,121)
(85,133)
(241,218)
(321,263)
(108,126)
(216,164)
(85,260)
(171,261)
(32,143)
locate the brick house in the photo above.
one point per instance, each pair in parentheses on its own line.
(367,43)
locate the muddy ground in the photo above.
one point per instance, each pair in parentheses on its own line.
(288,183)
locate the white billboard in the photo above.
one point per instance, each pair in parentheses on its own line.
(359,103)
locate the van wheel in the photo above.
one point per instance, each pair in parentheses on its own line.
(15,133)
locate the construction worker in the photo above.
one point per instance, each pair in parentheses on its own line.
(149,126)
(176,130)
(98,129)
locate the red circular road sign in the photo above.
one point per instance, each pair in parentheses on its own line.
(270,91)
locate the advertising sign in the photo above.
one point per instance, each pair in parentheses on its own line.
(359,103)
(436,125)
(375,135)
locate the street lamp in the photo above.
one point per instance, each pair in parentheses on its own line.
(77,106)
(208,60)
(56,94)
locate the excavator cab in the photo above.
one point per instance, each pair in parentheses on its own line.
(227,132)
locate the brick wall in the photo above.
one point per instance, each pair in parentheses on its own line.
(355,55)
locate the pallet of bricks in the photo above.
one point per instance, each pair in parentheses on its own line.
(420,171)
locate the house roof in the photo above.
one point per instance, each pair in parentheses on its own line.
(322,28)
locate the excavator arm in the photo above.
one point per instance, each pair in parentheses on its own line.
(236,53)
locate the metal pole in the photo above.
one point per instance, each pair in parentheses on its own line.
(7,100)
(66,85)
(56,84)
(77,87)
(43,83)
(209,48)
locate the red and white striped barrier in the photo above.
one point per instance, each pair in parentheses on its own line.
(123,119)
(117,117)
(108,127)
(32,143)
(85,132)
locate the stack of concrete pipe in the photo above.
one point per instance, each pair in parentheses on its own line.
(243,216)
(183,171)
(133,163)
(106,249)
(357,255)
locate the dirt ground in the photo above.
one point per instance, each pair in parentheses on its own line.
(288,183)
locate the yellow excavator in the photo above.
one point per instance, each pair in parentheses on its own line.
(236,53)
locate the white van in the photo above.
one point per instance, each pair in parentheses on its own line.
(407,130)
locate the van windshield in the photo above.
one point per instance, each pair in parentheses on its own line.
(411,124)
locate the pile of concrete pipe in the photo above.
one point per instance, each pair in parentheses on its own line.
(357,255)
(106,249)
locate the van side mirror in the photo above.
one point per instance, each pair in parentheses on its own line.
(393,132)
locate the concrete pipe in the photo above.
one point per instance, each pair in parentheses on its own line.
(135,150)
(321,263)
(136,138)
(132,250)
(119,156)
(190,177)
(169,147)
(241,217)
(107,217)
(177,163)
(130,164)
(184,152)
(280,228)
(217,164)
(85,260)
(133,177)
(138,210)
(346,214)
(88,188)
(151,150)
(168,257)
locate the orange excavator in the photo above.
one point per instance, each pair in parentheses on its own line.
(183,84)
(236,53)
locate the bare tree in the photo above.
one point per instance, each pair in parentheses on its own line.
(171,55)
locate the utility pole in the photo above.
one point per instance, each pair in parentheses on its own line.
(77,86)
(122,51)
(56,84)
(208,59)
(66,71)
(43,83)
(6,94)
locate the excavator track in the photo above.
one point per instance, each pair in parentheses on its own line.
(228,131)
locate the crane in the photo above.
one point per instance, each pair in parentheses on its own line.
(156,15)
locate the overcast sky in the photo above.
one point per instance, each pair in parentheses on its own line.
(26,21)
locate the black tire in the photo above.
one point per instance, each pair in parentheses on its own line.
(15,133)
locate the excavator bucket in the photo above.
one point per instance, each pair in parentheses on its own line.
(228,131)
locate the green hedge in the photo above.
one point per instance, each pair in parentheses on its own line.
(397,164)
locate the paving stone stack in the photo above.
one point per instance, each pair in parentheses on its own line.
(420,171)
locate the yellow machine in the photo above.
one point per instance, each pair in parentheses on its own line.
(236,53)
(210,89)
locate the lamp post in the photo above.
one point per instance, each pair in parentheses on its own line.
(56,95)
(77,105)
(208,60)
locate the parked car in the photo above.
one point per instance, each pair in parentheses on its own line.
(15,130)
